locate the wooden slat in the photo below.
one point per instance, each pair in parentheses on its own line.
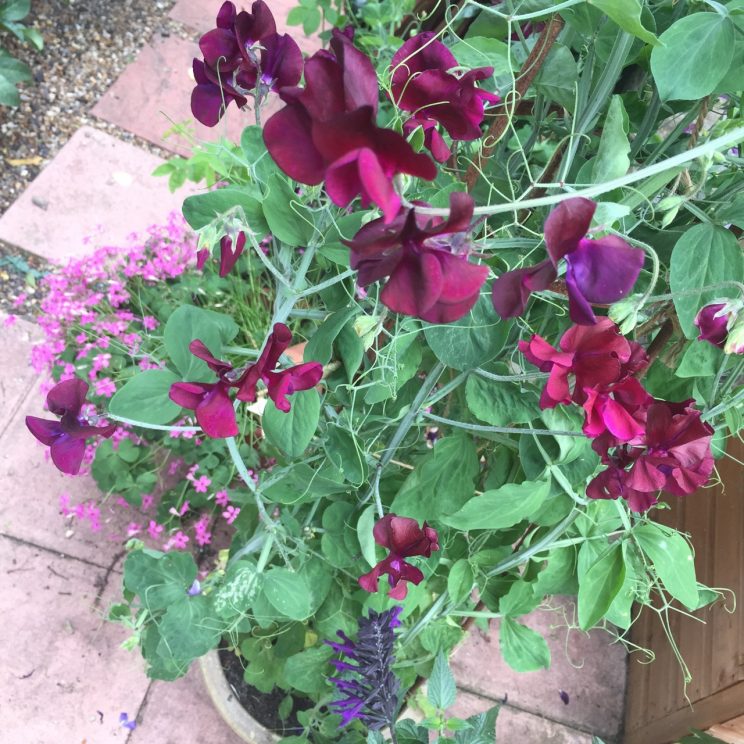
(731,731)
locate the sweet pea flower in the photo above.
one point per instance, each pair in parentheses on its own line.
(210,401)
(423,85)
(243,56)
(280,383)
(599,271)
(674,456)
(403,538)
(327,132)
(66,437)
(428,273)
(722,324)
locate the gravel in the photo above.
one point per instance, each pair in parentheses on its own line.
(87,44)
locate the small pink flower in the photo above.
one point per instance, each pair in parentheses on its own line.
(20,299)
(201,484)
(106,387)
(154,529)
(150,323)
(147,501)
(221,498)
(179,512)
(178,541)
(10,320)
(231,513)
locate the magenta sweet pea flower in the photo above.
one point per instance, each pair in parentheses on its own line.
(403,538)
(243,56)
(280,383)
(674,456)
(423,84)
(327,132)
(600,271)
(66,437)
(590,358)
(428,273)
(712,322)
(210,401)
(619,409)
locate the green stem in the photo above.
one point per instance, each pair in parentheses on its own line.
(154,427)
(502,429)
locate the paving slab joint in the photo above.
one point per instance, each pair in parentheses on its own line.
(58,553)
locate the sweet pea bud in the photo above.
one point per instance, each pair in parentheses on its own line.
(735,339)
(625,313)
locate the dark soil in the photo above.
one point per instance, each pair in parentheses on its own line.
(262,706)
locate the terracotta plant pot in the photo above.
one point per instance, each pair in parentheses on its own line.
(234,714)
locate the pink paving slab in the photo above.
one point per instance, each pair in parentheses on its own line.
(154,93)
(587,666)
(64,676)
(200,15)
(96,187)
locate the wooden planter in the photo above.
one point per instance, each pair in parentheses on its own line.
(657,711)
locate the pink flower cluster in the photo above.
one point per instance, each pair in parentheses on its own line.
(649,445)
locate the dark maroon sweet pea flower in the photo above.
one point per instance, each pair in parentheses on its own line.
(403,538)
(674,456)
(210,401)
(327,132)
(66,437)
(423,84)
(428,273)
(280,383)
(590,358)
(228,255)
(202,256)
(712,322)
(243,56)
(600,271)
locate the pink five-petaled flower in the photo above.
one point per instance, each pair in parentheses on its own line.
(429,274)
(423,85)
(280,383)
(599,271)
(674,456)
(327,132)
(210,401)
(66,437)
(403,538)
(242,56)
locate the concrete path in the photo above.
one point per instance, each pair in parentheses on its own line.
(64,677)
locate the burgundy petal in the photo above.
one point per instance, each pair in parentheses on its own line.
(67,454)
(44,430)
(189,394)
(67,397)
(512,290)
(216,415)
(229,256)
(199,349)
(566,225)
(220,49)
(414,286)
(361,87)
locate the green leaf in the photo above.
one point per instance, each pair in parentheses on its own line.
(471,341)
(320,346)
(519,600)
(599,586)
(705,255)
(501,508)
(409,732)
(481,51)
(448,471)
(200,209)
(397,362)
(672,559)
(460,580)
(12,71)
(255,152)
(351,349)
(160,579)
(188,323)
(288,593)
(287,218)
(365,525)
(695,54)
(499,403)
(612,159)
(440,687)
(627,15)
(481,729)
(557,78)
(292,431)
(14,10)
(345,452)
(145,398)
(188,630)
(523,649)
(309,670)
(701,359)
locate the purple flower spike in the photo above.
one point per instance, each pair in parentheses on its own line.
(371,691)
(66,437)
(600,271)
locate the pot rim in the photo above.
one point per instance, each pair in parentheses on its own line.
(228,705)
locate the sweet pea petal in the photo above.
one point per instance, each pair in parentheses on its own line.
(289,142)
(67,454)
(188,394)
(216,415)
(44,430)
(566,225)
(67,397)
(512,290)
(414,286)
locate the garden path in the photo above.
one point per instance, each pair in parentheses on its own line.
(64,676)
